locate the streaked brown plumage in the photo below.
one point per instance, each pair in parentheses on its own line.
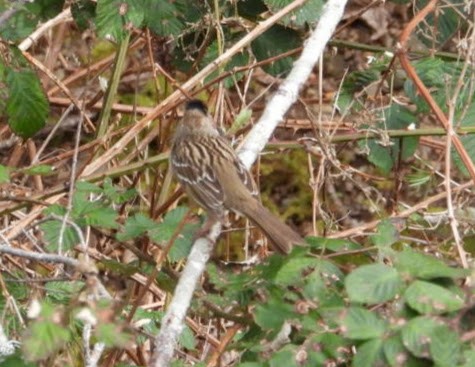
(212,174)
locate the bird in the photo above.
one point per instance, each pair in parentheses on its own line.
(205,164)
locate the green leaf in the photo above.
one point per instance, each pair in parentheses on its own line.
(62,292)
(445,346)
(429,298)
(88,187)
(374,283)
(272,315)
(426,267)
(361,324)
(15,360)
(44,337)
(111,335)
(41,169)
(293,270)
(240,121)
(113,17)
(26,17)
(386,234)
(163,232)
(136,226)
(417,333)
(117,194)
(469,358)
(187,339)
(27,106)
(273,42)
(165,18)
(284,357)
(83,12)
(4,174)
(369,353)
(308,13)
(102,218)
(395,352)
(51,229)
(384,152)
(447,25)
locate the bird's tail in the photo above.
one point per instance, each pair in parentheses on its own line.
(281,236)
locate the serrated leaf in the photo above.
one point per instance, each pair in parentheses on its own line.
(52,230)
(308,13)
(114,16)
(426,267)
(187,339)
(164,18)
(416,335)
(445,346)
(27,106)
(136,226)
(55,209)
(164,231)
(273,42)
(4,174)
(88,187)
(272,315)
(447,25)
(102,218)
(429,298)
(293,269)
(374,283)
(369,353)
(360,324)
(384,152)
(117,194)
(111,335)
(239,59)
(44,337)
(25,17)
(62,292)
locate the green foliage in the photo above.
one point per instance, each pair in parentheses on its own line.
(83,12)
(166,18)
(385,152)
(4,174)
(309,13)
(315,307)
(166,230)
(412,323)
(63,292)
(45,335)
(86,211)
(26,17)
(372,284)
(113,17)
(273,42)
(446,26)
(27,106)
